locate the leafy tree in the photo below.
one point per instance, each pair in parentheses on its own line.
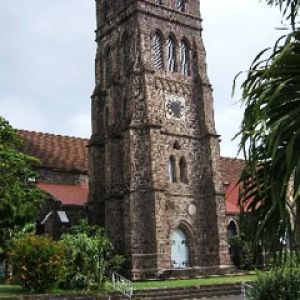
(38,261)
(89,257)
(19,198)
(270,136)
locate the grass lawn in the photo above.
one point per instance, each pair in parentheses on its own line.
(10,290)
(15,290)
(190,282)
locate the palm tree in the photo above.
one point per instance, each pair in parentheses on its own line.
(270,137)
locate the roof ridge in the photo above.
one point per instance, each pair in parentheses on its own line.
(52,134)
(231,158)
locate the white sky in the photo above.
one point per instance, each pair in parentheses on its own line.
(47,55)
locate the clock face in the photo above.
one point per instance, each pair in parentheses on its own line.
(175,107)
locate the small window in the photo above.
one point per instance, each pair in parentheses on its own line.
(176,146)
(184,59)
(158,2)
(157,51)
(181,5)
(183,173)
(171,54)
(172,169)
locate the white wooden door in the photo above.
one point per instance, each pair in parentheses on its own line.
(179,249)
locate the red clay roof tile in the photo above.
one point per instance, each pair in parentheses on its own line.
(56,151)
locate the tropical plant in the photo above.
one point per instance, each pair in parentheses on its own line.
(281,282)
(246,252)
(270,137)
(89,257)
(19,198)
(38,262)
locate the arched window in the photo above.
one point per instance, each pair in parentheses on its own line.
(184,59)
(172,169)
(108,66)
(171,54)
(232,229)
(181,5)
(182,168)
(157,51)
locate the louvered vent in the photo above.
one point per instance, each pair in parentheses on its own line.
(171,55)
(181,5)
(157,50)
(184,59)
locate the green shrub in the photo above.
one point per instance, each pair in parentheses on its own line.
(89,257)
(38,262)
(280,283)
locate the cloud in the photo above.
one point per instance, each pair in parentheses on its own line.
(47,55)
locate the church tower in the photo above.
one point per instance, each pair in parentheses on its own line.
(154,152)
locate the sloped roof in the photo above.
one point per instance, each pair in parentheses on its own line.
(231,169)
(56,151)
(71,154)
(67,194)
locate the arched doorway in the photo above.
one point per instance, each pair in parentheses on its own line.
(179,249)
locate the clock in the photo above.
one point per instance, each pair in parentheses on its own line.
(175,107)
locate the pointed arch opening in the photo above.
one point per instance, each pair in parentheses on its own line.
(184,58)
(157,46)
(183,171)
(108,66)
(171,54)
(172,169)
